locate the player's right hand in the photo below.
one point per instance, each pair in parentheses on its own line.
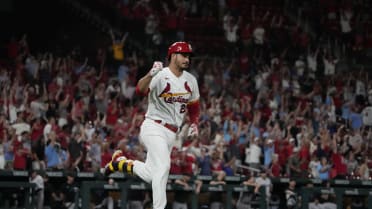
(193,130)
(156,67)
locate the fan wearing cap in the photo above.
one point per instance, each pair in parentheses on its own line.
(172,94)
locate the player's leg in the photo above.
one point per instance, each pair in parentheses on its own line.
(154,170)
(158,141)
(151,136)
(158,163)
(119,163)
(142,170)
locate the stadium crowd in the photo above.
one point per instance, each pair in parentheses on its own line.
(281,101)
(299,110)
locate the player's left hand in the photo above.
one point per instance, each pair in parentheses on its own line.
(193,130)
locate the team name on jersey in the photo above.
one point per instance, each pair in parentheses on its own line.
(171,98)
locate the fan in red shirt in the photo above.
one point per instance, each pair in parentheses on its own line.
(188,163)
(275,168)
(176,167)
(339,167)
(53,87)
(121,127)
(304,155)
(20,155)
(285,149)
(37,129)
(112,113)
(280,150)
(106,155)
(184,163)
(123,146)
(290,146)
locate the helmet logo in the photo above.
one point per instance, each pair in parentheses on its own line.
(179,47)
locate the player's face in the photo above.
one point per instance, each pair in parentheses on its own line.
(182,61)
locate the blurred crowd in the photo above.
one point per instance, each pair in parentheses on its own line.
(282,95)
(296,111)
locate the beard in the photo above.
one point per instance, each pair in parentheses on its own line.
(183,67)
(181,63)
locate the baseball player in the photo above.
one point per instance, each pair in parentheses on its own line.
(172,92)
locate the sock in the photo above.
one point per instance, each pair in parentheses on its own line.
(125,166)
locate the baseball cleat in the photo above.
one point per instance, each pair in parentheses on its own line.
(119,163)
(124,165)
(116,154)
(109,169)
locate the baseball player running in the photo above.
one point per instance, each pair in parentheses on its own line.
(172,92)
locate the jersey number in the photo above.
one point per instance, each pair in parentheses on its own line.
(183,108)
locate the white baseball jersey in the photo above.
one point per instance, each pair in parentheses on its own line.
(169,96)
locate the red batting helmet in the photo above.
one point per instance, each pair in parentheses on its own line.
(179,47)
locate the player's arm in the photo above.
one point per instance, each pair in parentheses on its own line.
(142,87)
(143,84)
(193,109)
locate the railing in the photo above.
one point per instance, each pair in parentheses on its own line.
(16,185)
(124,184)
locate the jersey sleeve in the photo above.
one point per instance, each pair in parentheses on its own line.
(195,91)
(155,81)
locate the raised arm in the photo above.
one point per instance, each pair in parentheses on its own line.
(112,36)
(124,38)
(142,87)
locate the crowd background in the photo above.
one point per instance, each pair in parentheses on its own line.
(285,85)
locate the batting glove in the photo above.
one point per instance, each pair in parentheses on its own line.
(156,67)
(193,130)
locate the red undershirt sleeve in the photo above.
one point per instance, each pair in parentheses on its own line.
(140,93)
(193,109)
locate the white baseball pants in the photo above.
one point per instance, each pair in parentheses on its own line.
(158,140)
